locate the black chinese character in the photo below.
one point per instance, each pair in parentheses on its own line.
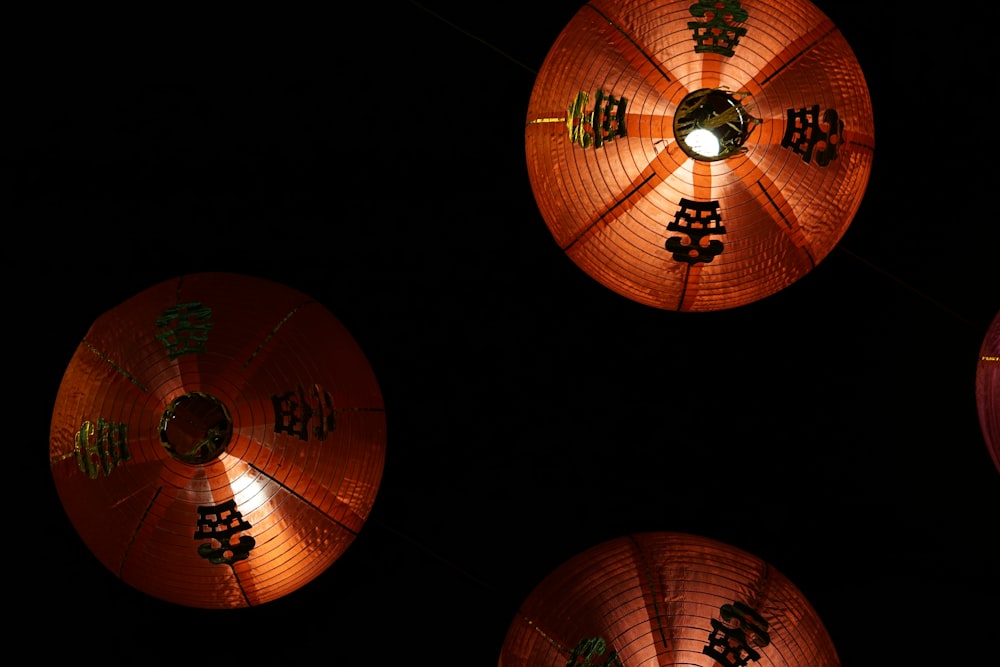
(806,131)
(222,523)
(732,639)
(294,410)
(697,220)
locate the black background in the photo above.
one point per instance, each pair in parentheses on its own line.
(373,158)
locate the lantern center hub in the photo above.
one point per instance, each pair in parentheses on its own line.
(195,428)
(712,124)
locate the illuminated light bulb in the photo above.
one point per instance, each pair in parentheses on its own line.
(703,142)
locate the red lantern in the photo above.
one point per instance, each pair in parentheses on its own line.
(698,156)
(218,440)
(988,389)
(666,598)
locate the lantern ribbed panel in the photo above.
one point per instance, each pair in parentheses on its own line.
(302,494)
(988,389)
(652,599)
(608,207)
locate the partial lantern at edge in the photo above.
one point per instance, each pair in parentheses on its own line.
(988,389)
(218,440)
(663,598)
(699,156)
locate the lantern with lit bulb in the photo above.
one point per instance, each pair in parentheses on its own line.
(666,598)
(698,156)
(218,440)
(988,389)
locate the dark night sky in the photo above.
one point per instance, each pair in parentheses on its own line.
(375,161)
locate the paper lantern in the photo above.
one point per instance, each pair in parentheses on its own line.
(698,156)
(663,598)
(988,389)
(218,440)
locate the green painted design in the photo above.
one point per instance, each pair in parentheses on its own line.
(589,653)
(185,328)
(101,447)
(717,32)
(603,123)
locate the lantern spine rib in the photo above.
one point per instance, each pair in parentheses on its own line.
(308,503)
(798,55)
(624,34)
(138,525)
(586,230)
(784,218)
(274,331)
(646,567)
(121,371)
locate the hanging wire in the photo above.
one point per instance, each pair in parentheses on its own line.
(906,286)
(474,37)
(871,265)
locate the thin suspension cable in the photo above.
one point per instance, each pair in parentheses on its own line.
(906,286)
(372,520)
(478,39)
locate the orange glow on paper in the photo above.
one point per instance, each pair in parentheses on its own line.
(218,440)
(664,598)
(621,192)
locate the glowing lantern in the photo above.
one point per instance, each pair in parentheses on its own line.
(988,389)
(218,440)
(663,599)
(698,156)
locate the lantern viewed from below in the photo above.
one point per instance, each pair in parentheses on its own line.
(218,440)
(988,389)
(663,598)
(698,156)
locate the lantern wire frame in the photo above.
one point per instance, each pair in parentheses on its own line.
(218,440)
(666,598)
(664,223)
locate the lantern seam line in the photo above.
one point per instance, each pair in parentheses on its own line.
(798,55)
(614,25)
(139,524)
(312,505)
(586,230)
(121,371)
(274,331)
(784,218)
(652,589)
